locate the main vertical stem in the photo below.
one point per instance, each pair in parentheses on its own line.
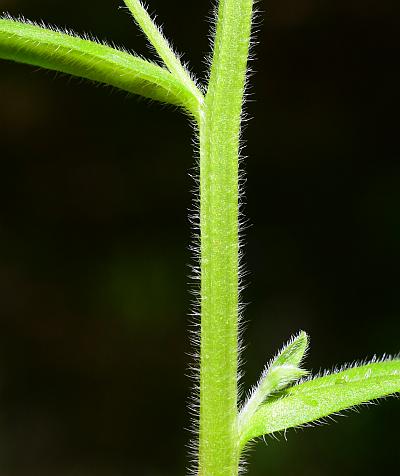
(219,216)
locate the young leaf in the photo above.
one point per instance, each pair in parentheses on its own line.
(283,370)
(293,352)
(29,43)
(315,399)
(161,45)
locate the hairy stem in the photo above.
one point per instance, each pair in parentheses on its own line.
(219,216)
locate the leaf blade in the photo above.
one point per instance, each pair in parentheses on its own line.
(315,399)
(283,370)
(35,45)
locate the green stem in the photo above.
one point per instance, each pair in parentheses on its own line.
(219,197)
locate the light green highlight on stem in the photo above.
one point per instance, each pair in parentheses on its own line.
(315,399)
(35,45)
(162,46)
(219,203)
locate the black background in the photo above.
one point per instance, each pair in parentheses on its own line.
(94,237)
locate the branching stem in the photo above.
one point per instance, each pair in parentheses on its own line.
(275,404)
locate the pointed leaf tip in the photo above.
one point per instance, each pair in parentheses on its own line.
(294,351)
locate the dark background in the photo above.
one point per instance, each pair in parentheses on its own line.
(94,193)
